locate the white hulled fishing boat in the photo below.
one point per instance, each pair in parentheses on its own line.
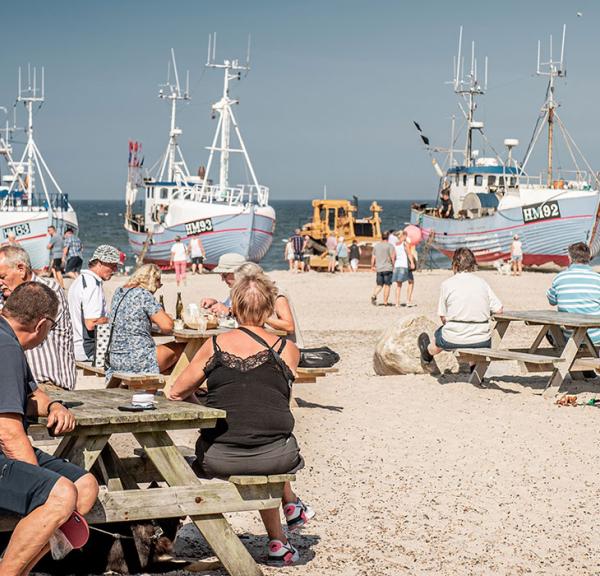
(495,198)
(227,218)
(30,197)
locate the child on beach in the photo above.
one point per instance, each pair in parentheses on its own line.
(289,254)
(516,256)
(179,260)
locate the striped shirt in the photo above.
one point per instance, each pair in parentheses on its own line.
(54,359)
(577,290)
(73,245)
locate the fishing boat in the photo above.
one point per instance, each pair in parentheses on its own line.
(30,197)
(227,218)
(495,198)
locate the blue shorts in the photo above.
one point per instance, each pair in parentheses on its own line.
(517,257)
(402,275)
(384,279)
(445,345)
(24,487)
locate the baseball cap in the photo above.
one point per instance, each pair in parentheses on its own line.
(107,254)
(229,262)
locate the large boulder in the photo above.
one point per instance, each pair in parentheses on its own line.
(397,352)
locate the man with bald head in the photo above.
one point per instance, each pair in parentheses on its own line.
(53,361)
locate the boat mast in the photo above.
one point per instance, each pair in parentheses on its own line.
(232,71)
(469,88)
(553,69)
(171,167)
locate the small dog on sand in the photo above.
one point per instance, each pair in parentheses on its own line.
(502,267)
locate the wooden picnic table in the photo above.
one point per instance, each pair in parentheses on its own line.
(569,355)
(181,493)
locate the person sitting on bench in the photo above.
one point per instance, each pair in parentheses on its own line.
(43,490)
(249,373)
(465,307)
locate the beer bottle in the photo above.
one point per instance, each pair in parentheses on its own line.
(161,301)
(179,307)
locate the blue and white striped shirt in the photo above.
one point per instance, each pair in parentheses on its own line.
(577,290)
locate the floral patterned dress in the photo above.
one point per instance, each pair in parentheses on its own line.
(132,348)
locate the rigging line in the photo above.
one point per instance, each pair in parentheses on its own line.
(535,137)
(581,154)
(542,115)
(567,143)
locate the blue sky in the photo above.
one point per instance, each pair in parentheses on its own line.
(331,97)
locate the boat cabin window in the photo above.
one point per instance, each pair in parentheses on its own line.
(478,179)
(501,180)
(363,229)
(513,181)
(331,217)
(164,193)
(491,180)
(456,178)
(148,193)
(464,179)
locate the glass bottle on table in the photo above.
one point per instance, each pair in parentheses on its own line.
(161,301)
(179,312)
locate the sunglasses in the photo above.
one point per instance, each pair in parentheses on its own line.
(52,323)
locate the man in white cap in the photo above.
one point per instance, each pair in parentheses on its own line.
(87,304)
(227,265)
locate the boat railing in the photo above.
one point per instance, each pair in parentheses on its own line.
(231,195)
(17,201)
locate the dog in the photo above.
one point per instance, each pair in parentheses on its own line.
(502,267)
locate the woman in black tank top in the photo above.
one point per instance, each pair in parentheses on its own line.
(249,374)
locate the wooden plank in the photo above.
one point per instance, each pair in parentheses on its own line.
(248,480)
(282,478)
(88,369)
(215,528)
(481,365)
(586,364)
(184,361)
(568,356)
(331,370)
(551,318)
(82,451)
(469,354)
(305,380)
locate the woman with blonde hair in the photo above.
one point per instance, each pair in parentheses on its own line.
(249,373)
(283,317)
(133,311)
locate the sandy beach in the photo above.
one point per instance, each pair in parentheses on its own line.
(423,475)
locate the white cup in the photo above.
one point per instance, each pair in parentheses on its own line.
(144,400)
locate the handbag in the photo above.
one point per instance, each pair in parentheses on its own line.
(323,357)
(104,334)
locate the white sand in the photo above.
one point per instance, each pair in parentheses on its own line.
(414,475)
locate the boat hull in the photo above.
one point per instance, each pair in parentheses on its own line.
(246,232)
(490,237)
(31,231)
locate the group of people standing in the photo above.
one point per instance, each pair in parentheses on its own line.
(65,254)
(393,260)
(182,252)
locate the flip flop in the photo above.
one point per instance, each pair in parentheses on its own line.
(76,530)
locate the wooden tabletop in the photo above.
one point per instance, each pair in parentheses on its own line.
(189,334)
(99,407)
(551,318)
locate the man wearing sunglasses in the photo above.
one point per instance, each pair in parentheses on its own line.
(53,361)
(43,490)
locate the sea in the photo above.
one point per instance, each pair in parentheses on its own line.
(101,222)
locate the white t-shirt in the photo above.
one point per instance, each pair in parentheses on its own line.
(401,256)
(517,248)
(467,301)
(91,298)
(195,250)
(178,252)
(393,240)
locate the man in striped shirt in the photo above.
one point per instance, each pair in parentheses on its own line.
(577,289)
(53,361)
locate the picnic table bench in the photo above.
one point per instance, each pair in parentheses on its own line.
(131,380)
(571,353)
(310,375)
(181,493)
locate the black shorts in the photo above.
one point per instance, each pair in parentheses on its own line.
(384,278)
(74,264)
(197,260)
(24,487)
(56,264)
(298,256)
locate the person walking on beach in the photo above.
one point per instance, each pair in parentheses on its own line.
(197,254)
(179,260)
(516,256)
(382,263)
(354,255)
(393,239)
(306,253)
(404,265)
(72,254)
(331,245)
(341,252)
(288,253)
(465,307)
(55,248)
(297,243)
